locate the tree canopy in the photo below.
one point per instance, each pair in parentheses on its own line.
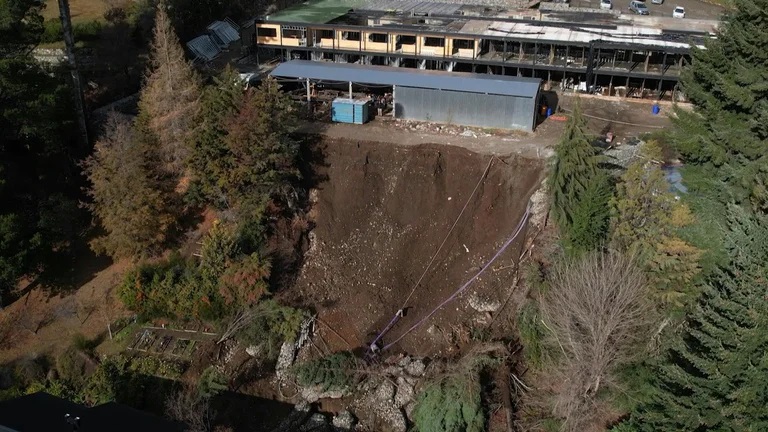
(130,198)
(728,85)
(713,374)
(579,188)
(38,176)
(170,97)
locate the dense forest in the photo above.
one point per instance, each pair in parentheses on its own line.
(650,313)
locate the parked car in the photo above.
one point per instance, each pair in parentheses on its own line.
(679,12)
(606,4)
(639,7)
(657,1)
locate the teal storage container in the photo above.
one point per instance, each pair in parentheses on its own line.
(350,111)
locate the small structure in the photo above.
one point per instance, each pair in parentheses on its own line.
(220,35)
(483,100)
(350,111)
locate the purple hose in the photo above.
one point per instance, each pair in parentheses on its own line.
(466,285)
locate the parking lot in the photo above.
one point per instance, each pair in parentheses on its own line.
(694,9)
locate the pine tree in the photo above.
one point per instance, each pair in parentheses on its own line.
(574,167)
(591,216)
(264,154)
(713,376)
(728,85)
(171,93)
(210,158)
(133,203)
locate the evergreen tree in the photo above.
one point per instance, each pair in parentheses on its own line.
(38,190)
(591,215)
(575,169)
(728,85)
(132,201)
(170,97)
(259,140)
(713,376)
(210,158)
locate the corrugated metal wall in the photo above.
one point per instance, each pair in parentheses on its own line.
(469,109)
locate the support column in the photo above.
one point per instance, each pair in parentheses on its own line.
(647,60)
(394,102)
(610,85)
(350,89)
(551,53)
(642,89)
(309,93)
(626,94)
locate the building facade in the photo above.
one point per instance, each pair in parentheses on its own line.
(605,52)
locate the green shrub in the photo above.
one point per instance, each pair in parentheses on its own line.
(451,404)
(169,289)
(84,31)
(273,325)
(71,366)
(148,365)
(211,383)
(532,335)
(333,372)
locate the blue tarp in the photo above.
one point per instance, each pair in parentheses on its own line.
(675,179)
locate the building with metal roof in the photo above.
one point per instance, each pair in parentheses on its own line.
(224,32)
(493,101)
(204,48)
(606,51)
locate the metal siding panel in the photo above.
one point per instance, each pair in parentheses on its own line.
(430,79)
(468,109)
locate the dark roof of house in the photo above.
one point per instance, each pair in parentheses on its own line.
(42,412)
(407,77)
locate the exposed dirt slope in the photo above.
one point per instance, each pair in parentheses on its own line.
(380,214)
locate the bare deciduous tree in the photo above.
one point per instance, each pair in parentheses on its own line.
(189,408)
(597,312)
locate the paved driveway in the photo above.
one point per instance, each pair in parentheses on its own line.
(694,9)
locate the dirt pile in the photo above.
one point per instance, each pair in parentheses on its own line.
(380,213)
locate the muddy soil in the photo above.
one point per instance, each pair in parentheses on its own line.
(381,212)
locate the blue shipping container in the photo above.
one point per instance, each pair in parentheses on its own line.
(350,111)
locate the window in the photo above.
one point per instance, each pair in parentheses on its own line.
(266,32)
(434,42)
(463,44)
(351,36)
(326,34)
(378,37)
(408,40)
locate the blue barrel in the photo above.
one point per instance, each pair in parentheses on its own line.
(549,112)
(656,109)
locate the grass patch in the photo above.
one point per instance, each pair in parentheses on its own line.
(84,31)
(80,10)
(705,201)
